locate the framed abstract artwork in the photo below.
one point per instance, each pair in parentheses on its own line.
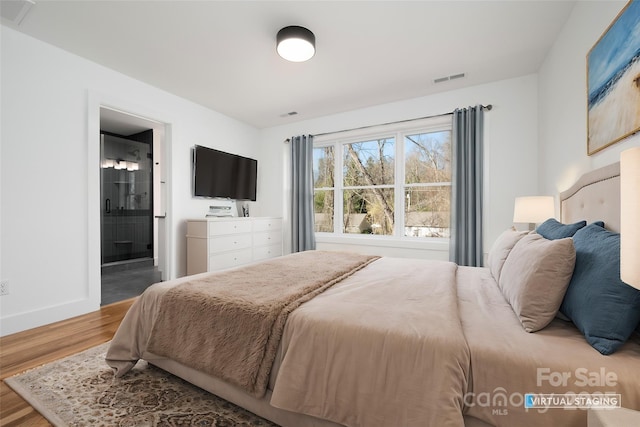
(613,81)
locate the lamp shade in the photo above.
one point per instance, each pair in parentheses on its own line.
(630,217)
(533,209)
(296,44)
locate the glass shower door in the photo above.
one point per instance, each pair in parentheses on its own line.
(126,199)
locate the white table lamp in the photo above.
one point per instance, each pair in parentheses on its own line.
(533,210)
(630,217)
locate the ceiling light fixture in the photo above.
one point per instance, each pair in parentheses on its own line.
(296,44)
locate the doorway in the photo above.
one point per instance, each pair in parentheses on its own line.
(129,195)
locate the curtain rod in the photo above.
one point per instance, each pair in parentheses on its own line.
(486,107)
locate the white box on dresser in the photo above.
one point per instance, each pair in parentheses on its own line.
(218,243)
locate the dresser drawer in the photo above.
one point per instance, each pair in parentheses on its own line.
(229,242)
(267,224)
(229,259)
(267,238)
(229,227)
(266,252)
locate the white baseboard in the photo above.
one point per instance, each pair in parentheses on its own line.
(32,319)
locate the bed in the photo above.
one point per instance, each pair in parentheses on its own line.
(400,342)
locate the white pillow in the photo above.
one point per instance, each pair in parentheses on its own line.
(501,248)
(535,278)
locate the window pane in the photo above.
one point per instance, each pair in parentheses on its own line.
(323,165)
(427,211)
(369,162)
(368,211)
(323,208)
(427,157)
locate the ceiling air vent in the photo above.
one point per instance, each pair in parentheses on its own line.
(447,78)
(15,10)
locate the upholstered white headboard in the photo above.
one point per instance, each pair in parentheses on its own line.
(594,197)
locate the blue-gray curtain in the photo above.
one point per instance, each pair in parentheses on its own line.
(303,236)
(466,199)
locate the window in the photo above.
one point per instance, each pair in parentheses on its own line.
(368,170)
(427,184)
(394,181)
(323,182)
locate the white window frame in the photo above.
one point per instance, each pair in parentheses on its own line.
(398,131)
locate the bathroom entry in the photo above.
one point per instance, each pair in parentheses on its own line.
(126,198)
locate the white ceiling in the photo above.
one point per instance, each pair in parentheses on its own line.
(221,54)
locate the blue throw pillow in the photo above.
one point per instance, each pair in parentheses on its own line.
(552,229)
(604,308)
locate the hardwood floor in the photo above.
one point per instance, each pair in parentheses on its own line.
(35,347)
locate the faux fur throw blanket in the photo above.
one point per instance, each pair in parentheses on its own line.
(229,324)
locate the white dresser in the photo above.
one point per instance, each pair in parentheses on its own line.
(217,243)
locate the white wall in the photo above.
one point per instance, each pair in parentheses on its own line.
(563,99)
(49,102)
(511,152)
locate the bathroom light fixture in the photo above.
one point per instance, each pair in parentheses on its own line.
(296,44)
(120,165)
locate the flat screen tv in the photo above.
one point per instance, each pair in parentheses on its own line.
(220,174)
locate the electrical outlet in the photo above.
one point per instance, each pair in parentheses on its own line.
(4,287)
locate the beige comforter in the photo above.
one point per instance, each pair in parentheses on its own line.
(384,347)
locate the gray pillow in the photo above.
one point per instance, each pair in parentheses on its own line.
(535,277)
(501,248)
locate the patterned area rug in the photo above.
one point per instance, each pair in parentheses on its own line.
(81,390)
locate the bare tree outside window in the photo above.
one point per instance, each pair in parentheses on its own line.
(368,178)
(369,194)
(324,183)
(427,184)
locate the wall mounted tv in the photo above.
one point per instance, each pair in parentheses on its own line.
(220,174)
